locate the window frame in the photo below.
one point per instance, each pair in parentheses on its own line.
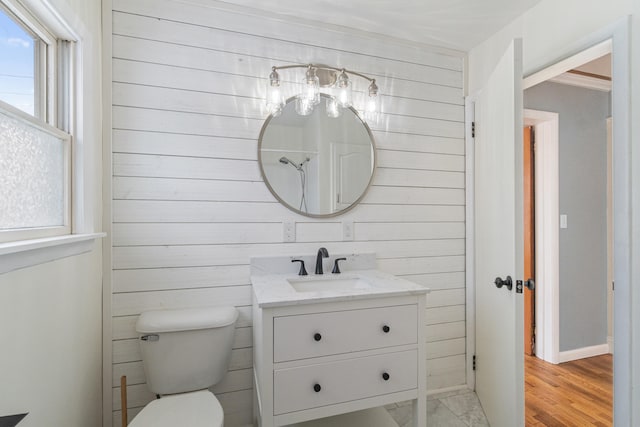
(84,121)
(53,111)
(45,60)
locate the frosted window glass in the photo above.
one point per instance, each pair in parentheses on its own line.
(32,176)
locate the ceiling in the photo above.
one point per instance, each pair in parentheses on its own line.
(598,67)
(454,24)
(595,75)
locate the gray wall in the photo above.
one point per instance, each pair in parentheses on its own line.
(583,245)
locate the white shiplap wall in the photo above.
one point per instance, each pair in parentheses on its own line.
(189,205)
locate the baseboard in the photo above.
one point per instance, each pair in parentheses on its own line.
(448,389)
(610,344)
(582,353)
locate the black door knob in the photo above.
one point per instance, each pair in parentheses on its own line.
(317,388)
(385,376)
(386,329)
(508,282)
(530,284)
(317,336)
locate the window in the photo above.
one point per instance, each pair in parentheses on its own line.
(17,62)
(35,146)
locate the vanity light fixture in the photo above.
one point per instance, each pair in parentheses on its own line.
(335,82)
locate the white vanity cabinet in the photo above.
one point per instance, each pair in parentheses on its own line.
(317,359)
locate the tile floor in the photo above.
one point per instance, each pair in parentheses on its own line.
(451,409)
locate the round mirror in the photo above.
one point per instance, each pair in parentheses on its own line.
(317,164)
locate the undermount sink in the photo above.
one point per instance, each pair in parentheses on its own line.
(275,283)
(329,283)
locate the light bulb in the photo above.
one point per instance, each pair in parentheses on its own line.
(275,98)
(311,86)
(344,90)
(372,103)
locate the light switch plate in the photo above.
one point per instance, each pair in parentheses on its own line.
(289,231)
(347,230)
(563,221)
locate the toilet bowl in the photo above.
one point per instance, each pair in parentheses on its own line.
(184,352)
(194,409)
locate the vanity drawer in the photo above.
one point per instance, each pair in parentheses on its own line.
(306,387)
(322,334)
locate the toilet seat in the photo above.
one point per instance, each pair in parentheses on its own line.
(194,409)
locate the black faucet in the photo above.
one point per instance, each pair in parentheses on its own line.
(322,253)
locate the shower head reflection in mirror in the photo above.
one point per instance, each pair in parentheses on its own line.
(285,160)
(303,201)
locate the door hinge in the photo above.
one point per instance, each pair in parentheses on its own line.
(474,362)
(473,129)
(613,285)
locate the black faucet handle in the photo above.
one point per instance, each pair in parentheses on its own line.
(303,271)
(336,267)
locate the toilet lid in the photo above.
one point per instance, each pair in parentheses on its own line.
(195,409)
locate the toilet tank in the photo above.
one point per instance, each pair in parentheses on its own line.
(186,350)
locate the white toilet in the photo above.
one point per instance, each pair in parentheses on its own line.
(184,352)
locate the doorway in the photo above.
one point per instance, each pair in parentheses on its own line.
(575,178)
(582,265)
(616,38)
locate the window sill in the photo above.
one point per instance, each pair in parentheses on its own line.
(27,253)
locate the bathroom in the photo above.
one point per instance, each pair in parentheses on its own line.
(171,113)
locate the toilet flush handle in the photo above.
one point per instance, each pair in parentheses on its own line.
(150,337)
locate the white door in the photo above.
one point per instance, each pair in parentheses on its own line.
(348,180)
(499,242)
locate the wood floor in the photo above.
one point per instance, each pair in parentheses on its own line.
(578,393)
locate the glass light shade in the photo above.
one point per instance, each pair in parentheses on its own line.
(304,107)
(344,97)
(343,91)
(311,88)
(275,98)
(333,108)
(372,107)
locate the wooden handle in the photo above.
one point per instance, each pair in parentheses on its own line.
(123,399)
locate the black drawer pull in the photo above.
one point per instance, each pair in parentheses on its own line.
(317,336)
(386,329)
(385,376)
(317,388)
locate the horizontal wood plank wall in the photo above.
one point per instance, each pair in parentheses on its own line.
(189,204)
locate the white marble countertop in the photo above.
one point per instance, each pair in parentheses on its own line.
(274,290)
